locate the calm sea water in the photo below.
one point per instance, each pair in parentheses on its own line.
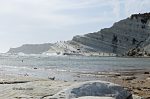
(50,65)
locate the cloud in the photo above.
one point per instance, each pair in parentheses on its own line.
(51,13)
(136,6)
(39,21)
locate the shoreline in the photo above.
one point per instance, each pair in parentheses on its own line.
(136,81)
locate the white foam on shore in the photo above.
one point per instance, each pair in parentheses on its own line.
(61,70)
(14,67)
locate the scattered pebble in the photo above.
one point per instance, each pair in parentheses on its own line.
(146,73)
(129,78)
(35,68)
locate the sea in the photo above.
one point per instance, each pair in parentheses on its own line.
(65,67)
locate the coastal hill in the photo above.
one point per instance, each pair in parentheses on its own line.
(31,48)
(130,36)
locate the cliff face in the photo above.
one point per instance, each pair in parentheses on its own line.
(123,36)
(126,34)
(31,48)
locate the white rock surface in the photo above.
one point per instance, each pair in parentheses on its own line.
(122,36)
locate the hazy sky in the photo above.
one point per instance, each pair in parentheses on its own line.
(43,21)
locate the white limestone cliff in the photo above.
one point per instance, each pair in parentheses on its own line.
(123,36)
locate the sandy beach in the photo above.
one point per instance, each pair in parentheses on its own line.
(26,87)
